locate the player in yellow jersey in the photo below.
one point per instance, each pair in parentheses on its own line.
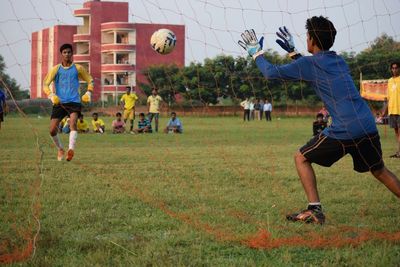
(153,104)
(393,104)
(128,101)
(82,125)
(65,97)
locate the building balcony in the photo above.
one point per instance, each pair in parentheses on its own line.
(82,58)
(117,68)
(117,47)
(113,88)
(82,12)
(81,38)
(117,26)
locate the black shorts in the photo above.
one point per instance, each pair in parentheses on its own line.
(1,116)
(61,110)
(366,151)
(394,121)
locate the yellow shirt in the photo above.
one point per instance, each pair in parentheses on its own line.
(99,122)
(63,121)
(393,95)
(129,100)
(82,126)
(154,103)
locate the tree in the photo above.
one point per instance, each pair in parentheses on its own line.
(10,83)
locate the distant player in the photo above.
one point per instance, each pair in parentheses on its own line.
(128,101)
(174,124)
(118,125)
(3,106)
(144,125)
(98,124)
(153,104)
(319,124)
(393,105)
(353,128)
(65,97)
(82,125)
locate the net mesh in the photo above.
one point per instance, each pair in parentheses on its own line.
(216,71)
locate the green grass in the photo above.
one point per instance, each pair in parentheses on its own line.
(191,199)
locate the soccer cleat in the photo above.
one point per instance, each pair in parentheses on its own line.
(307,216)
(70,154)
(60,154)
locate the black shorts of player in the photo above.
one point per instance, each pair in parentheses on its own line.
(394,121)
(61,110)
(365,151)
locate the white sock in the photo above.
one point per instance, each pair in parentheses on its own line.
(72,139)
(314,203)
(57,141)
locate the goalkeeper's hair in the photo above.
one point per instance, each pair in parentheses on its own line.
(66,46)
(322,31)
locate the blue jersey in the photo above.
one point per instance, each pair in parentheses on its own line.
(330,77)
(67,84)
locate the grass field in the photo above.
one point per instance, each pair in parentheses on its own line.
(203,198)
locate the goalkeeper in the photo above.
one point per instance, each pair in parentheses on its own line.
(353,128)
(65,97)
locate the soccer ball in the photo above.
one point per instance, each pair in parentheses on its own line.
(163,41)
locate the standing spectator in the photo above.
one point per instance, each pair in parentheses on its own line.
(82,125)
(393,104)
(98,124)
(246,107)
(267,109)
(128,101)
(261,109)
(174,125)
(257,109)
(153,104)
(252,109)
(118,125)
(3,106)
(144,125)
(319,125)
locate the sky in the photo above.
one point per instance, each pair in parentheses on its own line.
(213,27)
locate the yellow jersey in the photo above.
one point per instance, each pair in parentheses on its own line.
(393,95)
(82,126)
(129,100)
(154,102)
(99,122)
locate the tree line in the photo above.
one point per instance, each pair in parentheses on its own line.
(226,77)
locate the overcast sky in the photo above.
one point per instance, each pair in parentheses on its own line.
(212,26)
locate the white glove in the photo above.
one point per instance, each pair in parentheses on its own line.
(87,97)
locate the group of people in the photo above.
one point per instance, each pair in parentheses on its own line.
(256,109)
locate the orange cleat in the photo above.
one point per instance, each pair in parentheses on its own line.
(60,154)
(70,154)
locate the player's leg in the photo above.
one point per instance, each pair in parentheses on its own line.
(307,177)
(132,119)
(397,134)
(156,121)
(57,114)
(73,135)
(389,179)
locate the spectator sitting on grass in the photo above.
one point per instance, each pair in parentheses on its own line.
(144,125)
(319,125)
(174,125)
(98,124)
(82,125)
(118,125)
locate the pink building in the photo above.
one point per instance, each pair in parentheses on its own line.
(113,50)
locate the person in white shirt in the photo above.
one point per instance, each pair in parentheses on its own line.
(246,106)
(251,109)
(267,109)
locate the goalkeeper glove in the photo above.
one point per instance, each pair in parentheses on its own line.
(287,43)
(251,44)
(87,97)
(54,98)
